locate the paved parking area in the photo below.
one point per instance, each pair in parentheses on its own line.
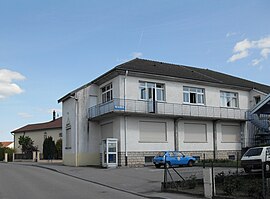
(145,181)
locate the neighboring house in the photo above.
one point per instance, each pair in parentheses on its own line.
(7,144)
(151,106)
(38,132)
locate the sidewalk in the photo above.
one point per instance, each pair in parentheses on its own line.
(145,182)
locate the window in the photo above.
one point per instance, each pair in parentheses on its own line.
(230,133)
(153,131)
(193,95)
(195,132)
(257,99)
(45,135)
(107,93)
(152,91)
(229,99)
(148,159)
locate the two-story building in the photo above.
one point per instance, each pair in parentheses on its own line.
(151,106)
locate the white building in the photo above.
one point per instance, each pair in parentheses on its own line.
(151,106)
(38,133)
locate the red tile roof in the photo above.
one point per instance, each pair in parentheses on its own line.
(5,144)
(41,126)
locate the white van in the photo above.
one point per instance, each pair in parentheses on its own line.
(254,157)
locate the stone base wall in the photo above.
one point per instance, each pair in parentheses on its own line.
(221,154)
(137,159)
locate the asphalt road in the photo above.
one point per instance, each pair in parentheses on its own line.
(27,182)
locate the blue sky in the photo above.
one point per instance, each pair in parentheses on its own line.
(48,48)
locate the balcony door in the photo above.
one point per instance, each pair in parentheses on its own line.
(151,97)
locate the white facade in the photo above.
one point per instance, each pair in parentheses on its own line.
(38,137)
(195,129)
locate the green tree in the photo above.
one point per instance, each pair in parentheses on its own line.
(49,149)
(27,144)
(58,147)
(7,150)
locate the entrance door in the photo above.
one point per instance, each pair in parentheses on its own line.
(109,152)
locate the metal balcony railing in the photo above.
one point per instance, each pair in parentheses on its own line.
(163,108)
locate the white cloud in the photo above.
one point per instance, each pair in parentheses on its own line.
(265,52)
(136,54)
(242,48)
(263,43)
(25,115)
(256,61)
(239,55)
(7,86)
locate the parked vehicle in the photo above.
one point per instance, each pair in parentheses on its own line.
(254,157)
(173,158)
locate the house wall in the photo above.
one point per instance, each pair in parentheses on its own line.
(255,93)
(90,132)
(37,137)
(174,91)
(86,151)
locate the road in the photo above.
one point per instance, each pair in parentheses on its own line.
(27,182)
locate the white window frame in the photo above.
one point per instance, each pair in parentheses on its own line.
(159,87)
(107,93)
(227,98)
(198,92)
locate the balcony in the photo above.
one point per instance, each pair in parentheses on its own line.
(165,109)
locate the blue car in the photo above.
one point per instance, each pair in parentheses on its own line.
(173,158)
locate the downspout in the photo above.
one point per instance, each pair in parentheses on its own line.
(76,128)
(176,137)
(215,139)
(125,118)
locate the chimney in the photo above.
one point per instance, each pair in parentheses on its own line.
(53,115)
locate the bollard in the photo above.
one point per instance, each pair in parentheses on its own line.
(34,156)
(38,156)
(6,157)
(209,183)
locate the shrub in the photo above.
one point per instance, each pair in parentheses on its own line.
(58,147)
(231,184)
(4,150)
(191,182)
(49,150)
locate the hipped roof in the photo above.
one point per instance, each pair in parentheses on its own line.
(177,71)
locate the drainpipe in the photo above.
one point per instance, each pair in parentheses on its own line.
(125,118)
(176,141)
(76,129)
(215,139)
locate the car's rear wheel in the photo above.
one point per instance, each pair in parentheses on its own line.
(157,165)
(190,163)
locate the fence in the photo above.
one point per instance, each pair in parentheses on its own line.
(35,156)
(222,178)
